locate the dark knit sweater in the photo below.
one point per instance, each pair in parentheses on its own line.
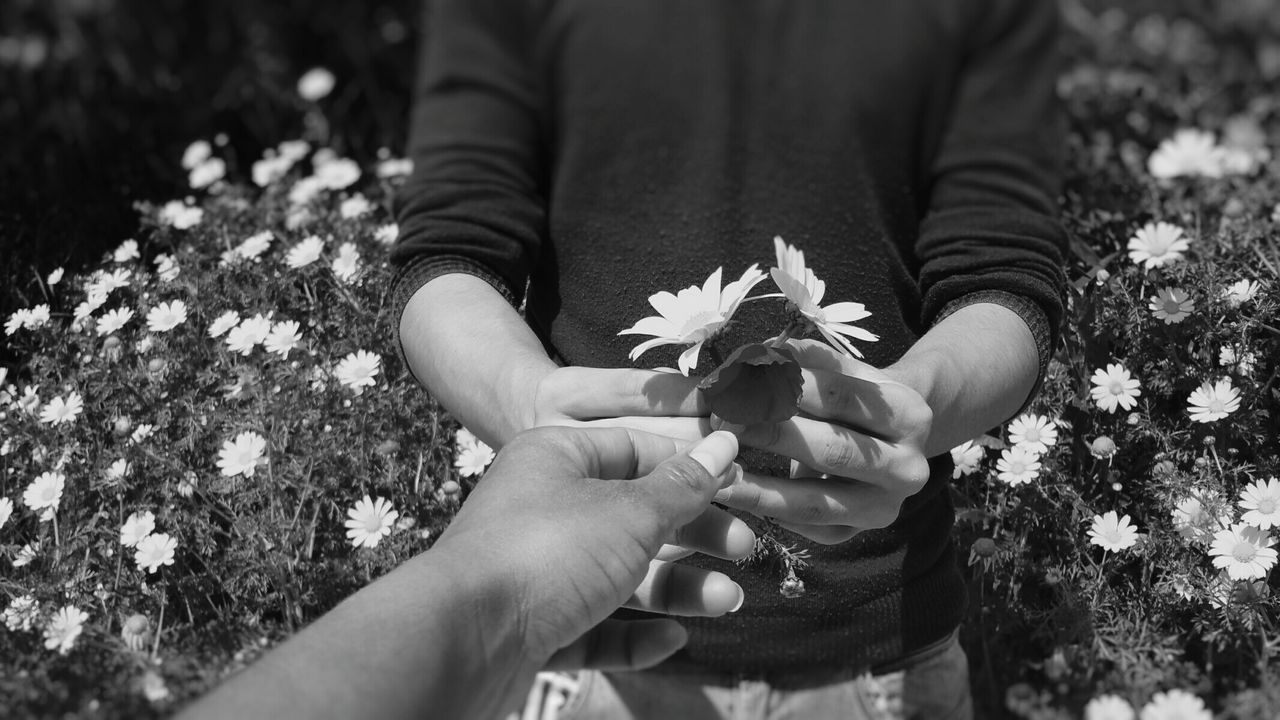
(597,151)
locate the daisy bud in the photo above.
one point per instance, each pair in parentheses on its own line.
(1101,276)
(187,485)
(1102,447)
(1209,440)
(1202,462)
(984,547)
(791,587)
(1233,208)
(450,488)
(136,632)
(122,427)
(111,348)
(1164,468)
(156,365)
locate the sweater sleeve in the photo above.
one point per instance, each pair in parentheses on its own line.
(991,228)
(476,198)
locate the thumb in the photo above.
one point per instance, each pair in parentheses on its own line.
(681,487)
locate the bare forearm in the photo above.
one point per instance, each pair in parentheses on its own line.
(975,369)
(474,353)
(414,643)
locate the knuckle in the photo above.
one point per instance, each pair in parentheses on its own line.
(838,398)
(687,475)
(837,454)
(914,474)
(916,419)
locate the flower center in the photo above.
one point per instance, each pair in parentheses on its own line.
(1266,506)
(1116,387)
(372,523)
(1017,467)
(700,325)
(1172,307)
(1244,552)
(1217,406)
(1031,435)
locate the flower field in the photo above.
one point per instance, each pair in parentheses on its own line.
(207,438)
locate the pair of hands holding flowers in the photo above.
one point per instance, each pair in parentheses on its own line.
(857,443)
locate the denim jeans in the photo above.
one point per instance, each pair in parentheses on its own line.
(931,684)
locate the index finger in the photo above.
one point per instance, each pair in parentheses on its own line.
(622,453)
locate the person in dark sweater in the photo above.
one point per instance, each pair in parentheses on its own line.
(578,156)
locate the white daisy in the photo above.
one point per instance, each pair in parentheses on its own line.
(59,411)
(207,173)
(305,190)
(223,323)
(293,150)
(1175,705)
(155,550)
(196,153)
(142,432)
(1243,363)
(1114,387)
(242,455)
(1188,153)
(64,628)
(6,510)
(136,528)
(1193,520)
(250,333)
(315,84)
(966,457)
(1157,244)
(109,282)
(166,267)
(473,459)
(305,252)
(387,234)
(1172,305)
(22,613)
(166,316)
(1261,501)
(354,207)
(55,277)
(1017,466)
(45,492)
(1209,403)
(270,169)
(253,246)
(1033,432)
(114,320)
(153,687)
(692,316)
(30,400)
(17,321)
(347,263)
(1243,551)
(394,167)
(26,554)
(118,469)
(804,290)
(1108,707)
(338,174)
(370,521)
(126,251)
(1112,532)
(284,336)
(357,370)
(1241,291)
(180,216)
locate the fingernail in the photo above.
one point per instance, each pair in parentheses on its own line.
(719,423)
(715,452)
(730,476)
(742,598)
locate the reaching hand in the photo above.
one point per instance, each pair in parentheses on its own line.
(574,518)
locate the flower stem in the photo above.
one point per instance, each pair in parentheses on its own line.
(714,351)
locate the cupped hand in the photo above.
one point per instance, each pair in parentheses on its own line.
(858,450)
(574,518)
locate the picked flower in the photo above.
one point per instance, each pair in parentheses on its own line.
(1017,466)
(758,383)
(1157,244)
(166,316)
(1209,403)
(370,521)
(966,457)
(64,629)
(1261,502)
(1113,532)
(358,370)
(304,253)
(137,527)
(1172,305)
(155,550)
(242,455)
(59,411)
(1114,387)
(1244,551)
(804,290)
(692,316)
(1033,432)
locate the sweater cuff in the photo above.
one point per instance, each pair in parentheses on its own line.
(412,276)
(1036,319)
